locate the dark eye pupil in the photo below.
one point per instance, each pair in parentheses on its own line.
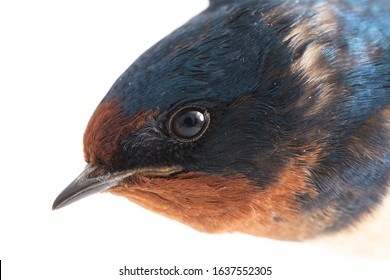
(189,124)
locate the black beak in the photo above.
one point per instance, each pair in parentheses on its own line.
(93,180)
(90,181)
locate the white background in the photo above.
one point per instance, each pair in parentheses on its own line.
(57,61)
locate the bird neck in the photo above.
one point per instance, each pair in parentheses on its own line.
(368,239)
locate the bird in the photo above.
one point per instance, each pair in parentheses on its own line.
(265,117)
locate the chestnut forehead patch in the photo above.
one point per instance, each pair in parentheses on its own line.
(106,129)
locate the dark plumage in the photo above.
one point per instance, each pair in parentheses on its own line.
(262,116)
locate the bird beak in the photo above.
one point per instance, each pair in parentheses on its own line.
(92,180)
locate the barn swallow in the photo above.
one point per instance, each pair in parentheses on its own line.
(267,117)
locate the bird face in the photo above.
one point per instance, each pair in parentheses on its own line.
(238,121)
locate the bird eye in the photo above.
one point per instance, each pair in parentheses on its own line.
(189,123)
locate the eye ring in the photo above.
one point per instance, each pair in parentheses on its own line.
(189,123)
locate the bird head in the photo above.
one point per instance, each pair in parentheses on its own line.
(213,126)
